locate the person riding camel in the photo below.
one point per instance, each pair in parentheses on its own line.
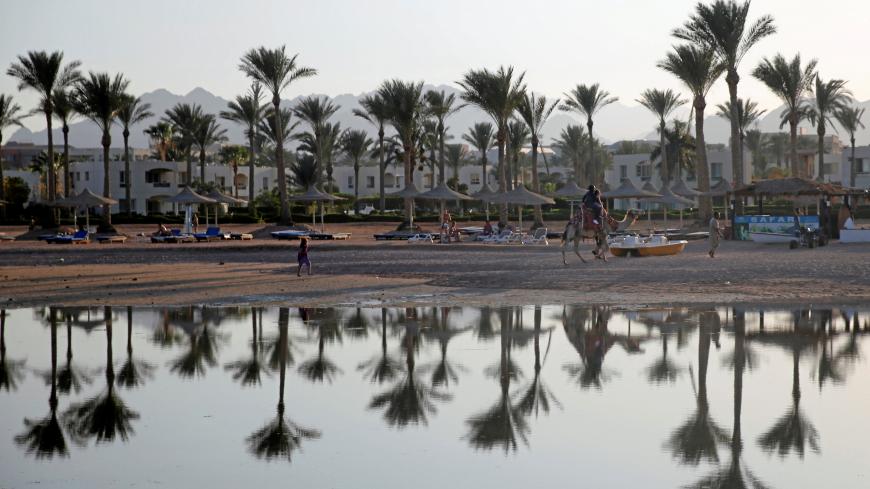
(592,202)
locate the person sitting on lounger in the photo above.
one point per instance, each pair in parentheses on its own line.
(487,228)
(162,231)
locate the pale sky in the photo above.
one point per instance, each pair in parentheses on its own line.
(355,44)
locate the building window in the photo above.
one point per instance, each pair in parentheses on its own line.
(87,176)
(475,178)
(78,177)
(831,168)
(863,166)
(716,171)
(623,172)
(182,177)
(643,170)
(350,181)
(370,182)
(400,182)
(122,178)
(265,183)
(427,180)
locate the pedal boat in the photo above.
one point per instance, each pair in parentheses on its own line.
(655,245)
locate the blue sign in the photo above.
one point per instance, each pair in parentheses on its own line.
(743,225)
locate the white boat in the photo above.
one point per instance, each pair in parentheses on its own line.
(772,238)
(855,235)
(655,245)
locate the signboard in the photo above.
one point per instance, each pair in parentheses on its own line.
(743,225)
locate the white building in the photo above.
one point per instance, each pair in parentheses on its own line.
(862,159)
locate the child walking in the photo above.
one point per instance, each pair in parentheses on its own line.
(302,256)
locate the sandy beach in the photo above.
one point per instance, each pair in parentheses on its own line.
(366,272)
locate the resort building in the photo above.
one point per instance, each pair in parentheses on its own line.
(862,160)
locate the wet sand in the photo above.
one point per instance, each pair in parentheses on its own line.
(365,272)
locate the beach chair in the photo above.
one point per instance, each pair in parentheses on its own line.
(515,237)
(538,237)
(212,233)
(497,238)
(80,237)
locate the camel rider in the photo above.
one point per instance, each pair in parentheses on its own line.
(592,201)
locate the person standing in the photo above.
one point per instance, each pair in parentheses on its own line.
(195,222)
(715,234)
(302,256)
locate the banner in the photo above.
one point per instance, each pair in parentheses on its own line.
(743,225)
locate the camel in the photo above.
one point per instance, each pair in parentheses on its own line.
(575,232)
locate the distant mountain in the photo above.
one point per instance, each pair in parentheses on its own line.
(615,122)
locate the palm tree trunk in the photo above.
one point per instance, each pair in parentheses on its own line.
(736,153)
(821,132)
(50,183)
(202,165)
(536,184)
(382,168)
(128,182)
(3,191)
(591,170)
(189,179)
(279,159)
(251,179)
(356,185)
(663,153)
(502,176)
(853,168)
(409,180)
(107,190)
(703,168)
(67,181)
(483,163)
(793,140)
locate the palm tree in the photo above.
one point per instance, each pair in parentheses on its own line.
(680,149)
(723,27)
(788,81)
(405,105)
(698,69)
(498,94)
(45,73)
(9,116)
(830,97)
(571,143)
(64,112)
(376,112)
(247,111)
(587,100)
(132,111)
(355,143)
(331,144)
(480,136)
(850,119)
(747,113)
(273,69)
(282,134)
(518,136)
(661,103)
(207,133)
(316,111)
(534,112)
(233,155)
(440,106)
(100,98)
(161,137)
(755,141)
(456,154)
(184,119)
(303,171)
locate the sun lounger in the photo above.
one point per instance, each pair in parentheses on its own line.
(289,234)
(241,236)
(422,238)
(80,237)
(5,237)
(176,237)
(497,238)
(329,235)
(210,234)
(116,238)
(538,237)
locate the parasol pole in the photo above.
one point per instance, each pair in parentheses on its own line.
(322,205)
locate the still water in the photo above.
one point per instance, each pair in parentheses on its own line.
(435,397)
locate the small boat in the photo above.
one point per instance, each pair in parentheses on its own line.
(655,245)
(771,238)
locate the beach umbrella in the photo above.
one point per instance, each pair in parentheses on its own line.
(222,198)
(188,197)
(443,193)
(680,188)
(721,189)
(570,192)
(521,196)
(86,199)
(485,195)
(627,190)
(409,192)
(315,195)
(668,198)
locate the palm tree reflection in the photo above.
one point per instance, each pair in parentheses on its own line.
(104,416)
(381,368)
(44,438)
(536,396)
(11,371)
(503,424)
(321,368)
(133,372)
(591,345)
(663,370)
(202,346)
(280,437)
(699,436)
(444,372)
(410,401)
(249,371)
(71,378)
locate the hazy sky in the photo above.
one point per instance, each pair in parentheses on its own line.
(355,44)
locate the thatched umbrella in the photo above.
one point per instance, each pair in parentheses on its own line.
(668,198)
(314,195)
(485,195)
(409,192)
(521,196)
(188,197)
(86,199)
(570,191)
(680,188)
(222,198)
(443,193)
(627,190)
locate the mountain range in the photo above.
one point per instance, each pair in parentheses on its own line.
(615,122)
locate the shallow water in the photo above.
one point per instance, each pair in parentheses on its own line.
(430,397)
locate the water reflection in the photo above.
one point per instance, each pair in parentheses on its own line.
(479,375)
